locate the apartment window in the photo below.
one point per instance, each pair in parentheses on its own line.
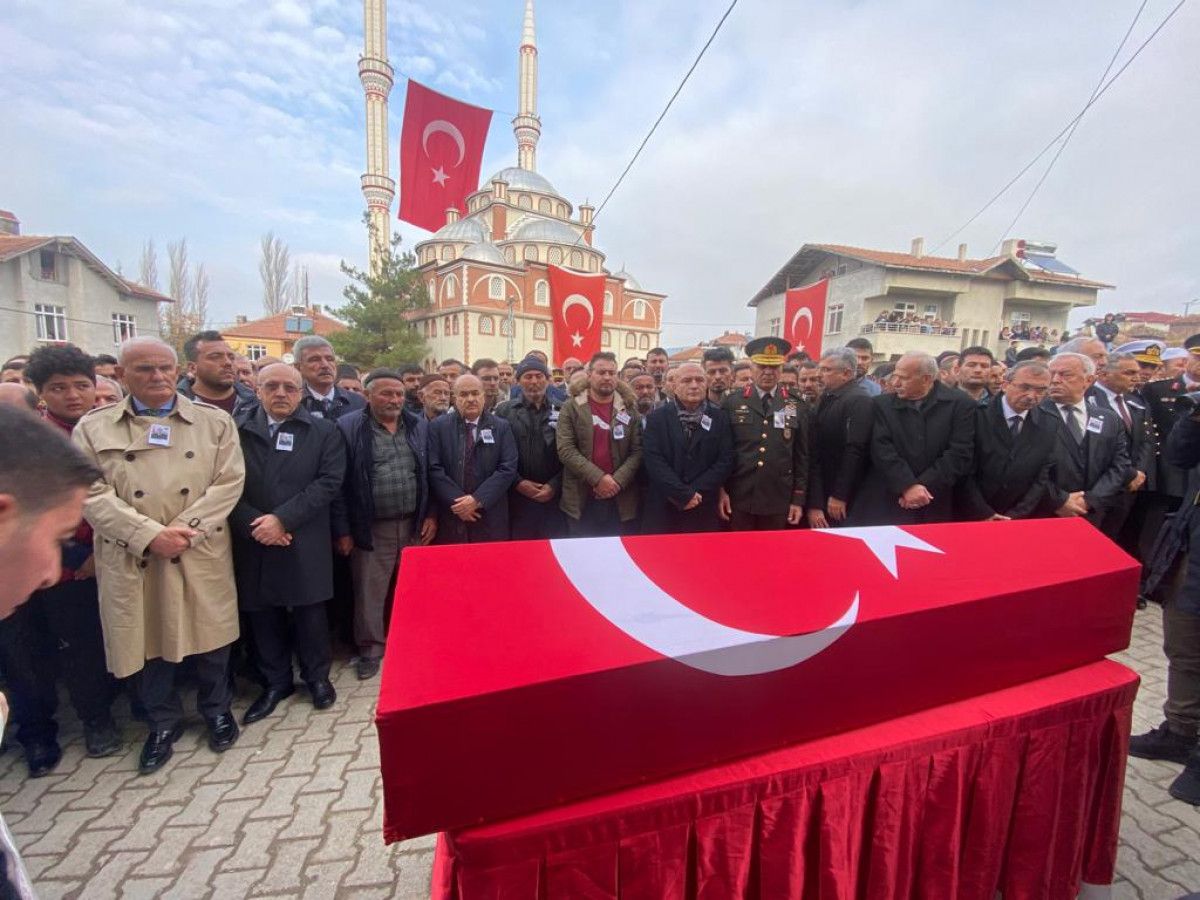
(605,337)
(125,327)
(539,331)
(774,327)
(631,341)
(51,322)
(1018,317)
(495,288)
(639,309)
(833,319)
(255,351)
(905,308)
(49,265)
(608,303)
(487,325)
(931,310)
(541,294)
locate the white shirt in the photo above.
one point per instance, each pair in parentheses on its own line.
(327,397)
(1009,412)
(1111,395)
(1080,414)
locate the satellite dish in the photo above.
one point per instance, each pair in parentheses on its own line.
(289,358)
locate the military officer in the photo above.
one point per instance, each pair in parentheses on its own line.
(770,436)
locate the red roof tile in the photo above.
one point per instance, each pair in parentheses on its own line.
(140,290)
(274,327)
(13,245)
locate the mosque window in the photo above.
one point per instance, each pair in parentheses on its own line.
(446,326)
(644,342)
(576,259)
(487,325)
(605,337)
(505,327)
(447,252)
(525,201)
(544,206)
(539,331)
(510,255)
(562,210)
(451,286)
(631,341)
(541,294)
(639,309)
(456,324)
(555,256)
(495,288)
(608,303)
(531,253)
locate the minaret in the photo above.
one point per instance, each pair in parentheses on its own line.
(376,75)
(527,126)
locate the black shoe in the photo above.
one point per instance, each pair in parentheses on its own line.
(367,667)
(101,738)
(1187,786)
(1162,743)
(266,703)
(158,749)
(1142,602)
(42,757)
(222,732)
(323,694)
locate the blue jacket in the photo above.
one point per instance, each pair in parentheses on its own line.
(357,488)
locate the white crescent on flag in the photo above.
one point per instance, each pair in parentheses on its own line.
(581,301)
(448,128)
(802,313)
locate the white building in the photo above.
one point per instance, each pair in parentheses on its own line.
(54,290)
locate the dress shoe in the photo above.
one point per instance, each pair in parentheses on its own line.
(323,694)
(1162,743)
(1187,786)
(222,732)
(158,749)
(266,703)
(101,738)
(42,757)
(367,667)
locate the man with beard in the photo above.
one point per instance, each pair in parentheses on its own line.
(435,396)
(688,454)
(866,354)
(808,381)
(533,417)
(472,464)
(411,375)
(212,374)
(718,368)
(645,393)
(508,378)
(948,362)
(318,367)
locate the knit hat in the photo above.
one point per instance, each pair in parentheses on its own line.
(532,364)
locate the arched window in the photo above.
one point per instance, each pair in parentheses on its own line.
(451,286)
(608,303)
(593,264)
(562,210)
(487,325)
(541,294)
(576,259)
(555,256)
(525,201)
(495,288)
(605,337)
(543,205)
(446,326)
(530,253)
(631,341)
(505,327)
(639,309)
(644,342)
(510,255)
(447,252)
(431,291)
(539,331)
(456,323)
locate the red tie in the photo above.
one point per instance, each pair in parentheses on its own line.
(1124,411)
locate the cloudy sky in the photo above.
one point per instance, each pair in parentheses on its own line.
(867,122)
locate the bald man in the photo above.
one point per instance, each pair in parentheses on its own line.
(14,393)
(283,538)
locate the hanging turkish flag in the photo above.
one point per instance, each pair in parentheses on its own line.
(577,303)
(804,317)
(441,147)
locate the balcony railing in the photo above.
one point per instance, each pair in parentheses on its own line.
(916,328)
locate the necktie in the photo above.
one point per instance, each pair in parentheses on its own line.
(1124,411)
(272,427)
(468,480)
(767,402)
(1014,426)
(1073,425)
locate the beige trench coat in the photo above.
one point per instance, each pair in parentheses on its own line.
(149,606)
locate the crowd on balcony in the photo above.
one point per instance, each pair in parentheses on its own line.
(911,323)
(1023,331)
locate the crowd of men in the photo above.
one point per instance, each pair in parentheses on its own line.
(245,516)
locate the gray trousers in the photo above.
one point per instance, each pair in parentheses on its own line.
(372,571)
(1181,644)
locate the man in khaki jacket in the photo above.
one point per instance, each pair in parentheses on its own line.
(172,472)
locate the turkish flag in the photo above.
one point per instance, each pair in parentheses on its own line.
(577,304)
(441,147)
(804,317)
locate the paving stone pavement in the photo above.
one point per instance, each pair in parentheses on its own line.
(295,809)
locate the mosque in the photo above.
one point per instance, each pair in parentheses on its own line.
(486,270)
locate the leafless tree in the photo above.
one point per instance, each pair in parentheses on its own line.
(199,307)
(148,267)
(179,275)
(273,269)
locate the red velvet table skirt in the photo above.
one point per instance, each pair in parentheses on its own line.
(1016,791)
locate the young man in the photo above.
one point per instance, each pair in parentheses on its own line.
(718,368)
(212,374)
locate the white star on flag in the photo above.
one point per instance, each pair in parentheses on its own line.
(440,176)
(577,339)
(883,541)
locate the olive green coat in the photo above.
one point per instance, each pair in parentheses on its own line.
(770,471)
(580,474)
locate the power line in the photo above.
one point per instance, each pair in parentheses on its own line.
(1108,84)
(1070,134)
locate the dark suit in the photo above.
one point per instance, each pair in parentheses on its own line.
(931,446)
(1010,477)
(1166,487)
(1099,466)
(678,467)
(770,471)
(1142,455)
(495,471)
(840,445)
(343,402)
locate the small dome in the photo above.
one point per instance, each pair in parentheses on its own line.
(524,180)
(472,231)
(485,251)
(547,230)
(631,283)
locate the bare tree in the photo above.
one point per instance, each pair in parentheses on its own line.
(180,276)
(148,267)
(298,285)
(199,306)
(273,269)
(178,320)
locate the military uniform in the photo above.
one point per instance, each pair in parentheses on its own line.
(770,442)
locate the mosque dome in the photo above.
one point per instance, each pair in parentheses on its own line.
(472,231)
(485,251)
(519,179)
(548,230)
(631,283)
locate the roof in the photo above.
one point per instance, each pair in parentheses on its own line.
(274,328)
(1151,318)
(731,339)
(548,230)
(524,180)
(687,355)
(12,246)
(805,258)
(8,215)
